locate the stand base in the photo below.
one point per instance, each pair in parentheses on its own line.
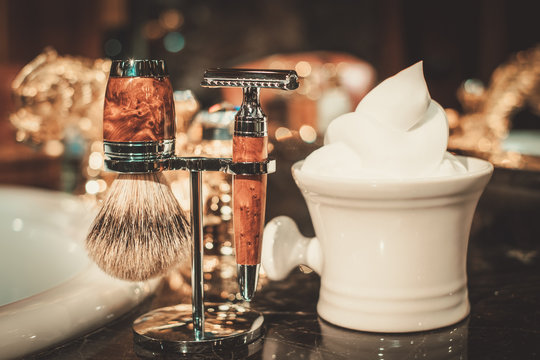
(170,329)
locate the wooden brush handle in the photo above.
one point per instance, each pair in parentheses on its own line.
(249,200)
(138,109)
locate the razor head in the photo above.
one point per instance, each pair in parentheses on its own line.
(244,78)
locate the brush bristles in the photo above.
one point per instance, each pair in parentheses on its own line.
(141,231)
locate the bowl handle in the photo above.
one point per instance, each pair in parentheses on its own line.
(284,248)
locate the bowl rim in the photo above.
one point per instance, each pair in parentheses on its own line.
(424,187)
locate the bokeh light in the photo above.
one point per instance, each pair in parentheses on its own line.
(95,160)
(174,42)
(308,134)
(171,19)
(102,185)
(282,133)
(303,68)
(53,148)
(92,187)
(153,30)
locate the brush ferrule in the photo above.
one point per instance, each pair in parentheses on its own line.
(138,150)
(138,156)
(136,167)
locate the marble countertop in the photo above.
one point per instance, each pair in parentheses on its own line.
(504,291)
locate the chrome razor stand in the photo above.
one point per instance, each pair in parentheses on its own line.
(197,271)
(199,328)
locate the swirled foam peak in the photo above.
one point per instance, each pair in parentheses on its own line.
(397,131)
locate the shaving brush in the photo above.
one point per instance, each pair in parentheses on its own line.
(140,231)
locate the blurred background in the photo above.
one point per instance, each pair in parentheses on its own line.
(456,39)
(54,62)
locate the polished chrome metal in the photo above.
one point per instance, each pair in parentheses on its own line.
(248,276)
(136,167)
(139,68)
(250,121)
(139,150)
(250,128)
(225,165)
(199,164)
(267,166)
(170,329)
(138,156)
(197,281)
(260,78)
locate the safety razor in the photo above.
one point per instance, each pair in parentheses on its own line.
(250,141)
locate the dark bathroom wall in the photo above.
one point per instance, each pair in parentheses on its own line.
(456,40)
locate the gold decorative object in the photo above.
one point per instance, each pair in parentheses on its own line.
(59,103)
(53,93)
(487,120)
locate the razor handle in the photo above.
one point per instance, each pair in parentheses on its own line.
(249,200)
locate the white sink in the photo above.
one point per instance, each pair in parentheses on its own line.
(49,289)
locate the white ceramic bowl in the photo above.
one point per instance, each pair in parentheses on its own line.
(50,290)
(391,253)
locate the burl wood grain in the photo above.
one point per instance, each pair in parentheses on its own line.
(249,201)
(138,109)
